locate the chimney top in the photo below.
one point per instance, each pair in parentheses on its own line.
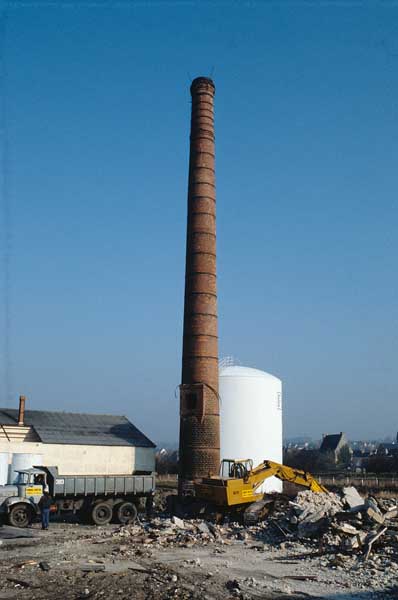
(21,411)
(202,81)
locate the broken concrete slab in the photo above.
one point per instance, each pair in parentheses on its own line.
(203,528)
(391,513)
(374,515)
(346,528)
(372,503)
(179,522)
(352,497)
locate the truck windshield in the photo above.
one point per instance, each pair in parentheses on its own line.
(22,478)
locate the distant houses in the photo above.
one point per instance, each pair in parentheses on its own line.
(336,445)
(336,453)
(387,449)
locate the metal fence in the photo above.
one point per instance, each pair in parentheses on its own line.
(364,481)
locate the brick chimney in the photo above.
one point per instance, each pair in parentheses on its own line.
(199,452)
(21,411)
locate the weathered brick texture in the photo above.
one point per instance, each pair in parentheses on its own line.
(199,412)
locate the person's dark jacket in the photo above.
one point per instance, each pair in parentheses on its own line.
(45,501)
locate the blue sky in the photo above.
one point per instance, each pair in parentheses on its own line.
(95,138)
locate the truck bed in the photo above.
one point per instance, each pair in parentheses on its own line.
(103,485)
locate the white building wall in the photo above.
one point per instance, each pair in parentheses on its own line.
(86,460)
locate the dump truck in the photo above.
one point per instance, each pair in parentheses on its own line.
(98,499)
(235,488)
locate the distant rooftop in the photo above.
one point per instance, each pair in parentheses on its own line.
(331,442)
(79,428)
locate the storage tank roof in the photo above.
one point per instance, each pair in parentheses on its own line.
(236,371)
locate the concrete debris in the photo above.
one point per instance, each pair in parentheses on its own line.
(346,528)
(359,529)
(374,515)
(195,559)
(310,518)
(312,512)
(179,522)
(354,542)
(315,538)
(372,503)
(340,525)
(352,498)
(204,528)
(391,513)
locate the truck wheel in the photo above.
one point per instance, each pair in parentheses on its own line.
(126,513)
(101,513)
(20,515)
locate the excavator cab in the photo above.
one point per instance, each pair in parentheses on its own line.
(235,468)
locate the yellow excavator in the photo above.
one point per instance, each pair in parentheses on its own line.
(236,486)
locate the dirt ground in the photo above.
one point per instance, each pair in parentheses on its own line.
(63,562)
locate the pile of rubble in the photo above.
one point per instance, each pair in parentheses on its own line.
(338,524)
(340,538)
(347,522)
(164,531)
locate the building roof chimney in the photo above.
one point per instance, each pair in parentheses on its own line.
(21,411)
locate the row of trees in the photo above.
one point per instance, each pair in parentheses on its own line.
(382,464)
(313,461)
(316,461)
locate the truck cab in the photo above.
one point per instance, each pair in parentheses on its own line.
(31,484)
(19,501)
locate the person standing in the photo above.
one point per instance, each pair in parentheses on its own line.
(149,506)
(44,505)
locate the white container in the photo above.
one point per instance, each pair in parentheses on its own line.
(4,457)
(23,461)
(251,418)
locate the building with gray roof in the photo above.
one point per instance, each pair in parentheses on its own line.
(77,443)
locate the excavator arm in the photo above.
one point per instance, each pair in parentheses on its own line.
(268,468)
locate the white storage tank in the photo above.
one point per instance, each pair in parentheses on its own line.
(23,461)
(3,467)
(251,418)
